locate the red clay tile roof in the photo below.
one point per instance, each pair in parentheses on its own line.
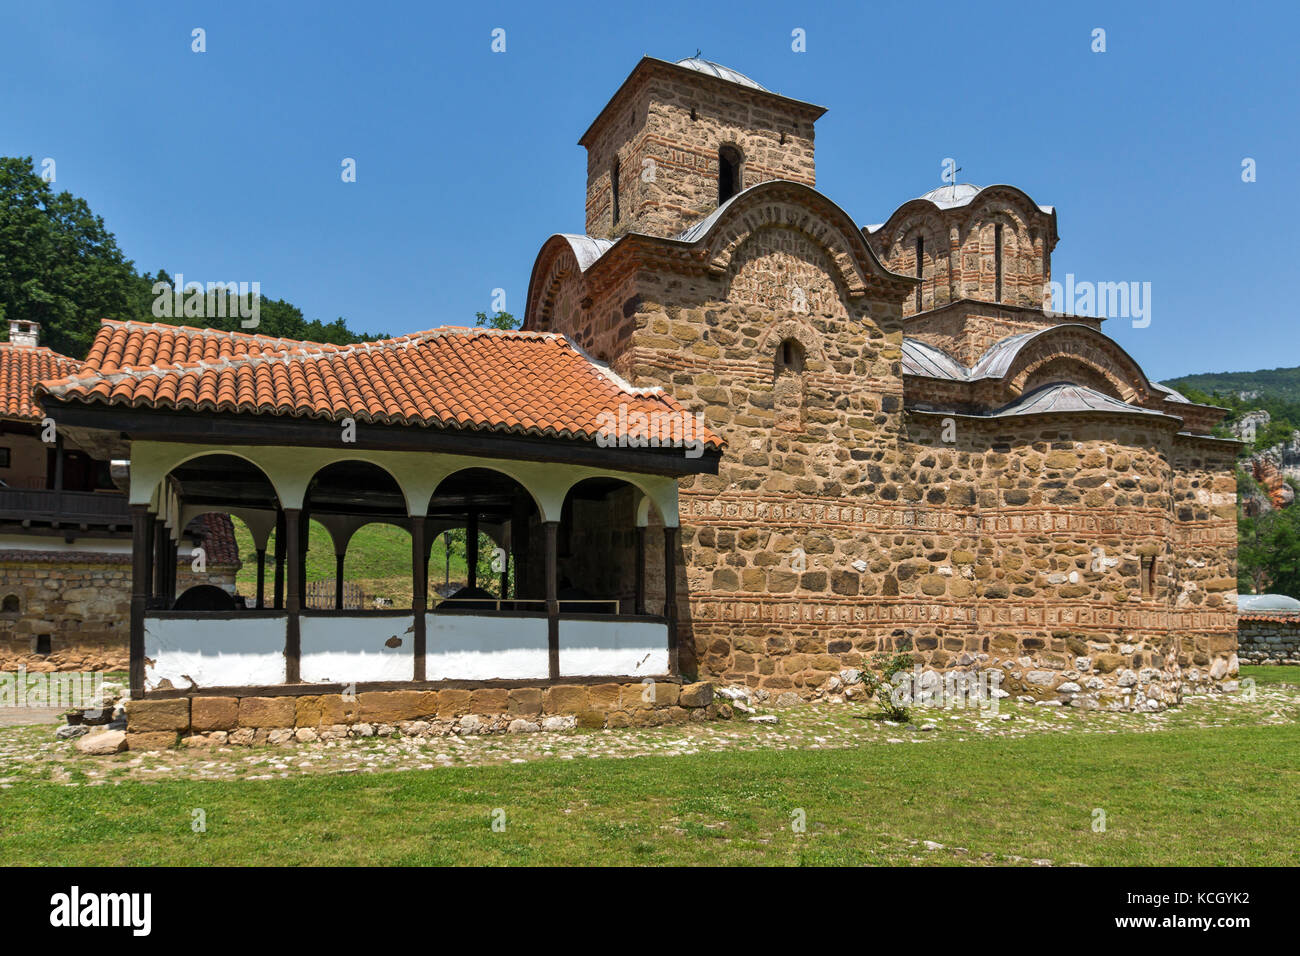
(218,534)
(524,382)
(21,367)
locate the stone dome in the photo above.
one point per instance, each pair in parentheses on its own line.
(718,70)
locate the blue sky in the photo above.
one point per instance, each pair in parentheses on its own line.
(225,165)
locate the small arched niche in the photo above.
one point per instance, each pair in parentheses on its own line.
(788,384)
(731,172)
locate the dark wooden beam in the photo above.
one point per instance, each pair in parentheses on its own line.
(419,583)
(670,595)
(261,577)
(550,531)
(640,570)
(140,545)
(279,560)
(471,545)
(242,429)
(149,553)
(293,594)
(338,580)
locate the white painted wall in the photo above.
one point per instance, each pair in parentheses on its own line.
(352,649)
(233,652)
(45,542)
(613,647)
(464,647)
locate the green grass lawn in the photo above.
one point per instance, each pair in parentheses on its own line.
(1177,797)
(1272,676)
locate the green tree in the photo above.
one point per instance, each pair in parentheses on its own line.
(502,320)
(61,267)
(1268,545)
(59,264)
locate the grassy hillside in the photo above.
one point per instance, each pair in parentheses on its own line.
(379,559)
(1282,384)
(1276,391)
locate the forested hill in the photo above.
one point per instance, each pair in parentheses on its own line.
(1276,391)
(61,266)
(1275,383)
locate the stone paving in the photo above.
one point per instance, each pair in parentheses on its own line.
(31,753)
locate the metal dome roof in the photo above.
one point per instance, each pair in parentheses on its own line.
(718,70)
(1267,602)
(948,197)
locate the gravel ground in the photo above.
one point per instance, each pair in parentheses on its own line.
(31,753)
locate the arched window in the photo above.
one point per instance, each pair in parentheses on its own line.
(789,357)
(10,604)
(788,391)
(730,173)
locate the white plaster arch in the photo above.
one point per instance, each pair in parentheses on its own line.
(655,490)
(418,474)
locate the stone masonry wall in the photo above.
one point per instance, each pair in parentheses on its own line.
(1269,640)
(858,529)
(678,127)
(82,601)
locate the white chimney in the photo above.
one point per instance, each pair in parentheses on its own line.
(24,333)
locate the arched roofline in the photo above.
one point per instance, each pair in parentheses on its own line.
(922,203)
(715,239)
(582,251)
(1130,379)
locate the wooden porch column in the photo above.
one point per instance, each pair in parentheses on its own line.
(261,578)
(640,570)
(170,581)
(519,513)
(471,547)
(338,581)
(149,551)
(670,595)
(550,531)
(419,584)
(293,594)
(140,546)
(158,562)
(304,526)
(278,602)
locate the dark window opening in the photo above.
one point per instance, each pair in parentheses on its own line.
(920,268)
(729,173)
(997,263)
(4,458)
(789,357)
(613,185)
(42,643)
(10,604)
(1148,577)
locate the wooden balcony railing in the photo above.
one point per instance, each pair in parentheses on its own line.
(44,506)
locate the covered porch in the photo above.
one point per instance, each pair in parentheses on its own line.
(581,583)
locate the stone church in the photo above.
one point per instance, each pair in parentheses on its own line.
(919,455)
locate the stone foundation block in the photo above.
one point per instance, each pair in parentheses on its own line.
(391,706)
(567,699)
(158,715)
(266,712)
(453,703)
(526,701)
(152,740)
(214,713)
